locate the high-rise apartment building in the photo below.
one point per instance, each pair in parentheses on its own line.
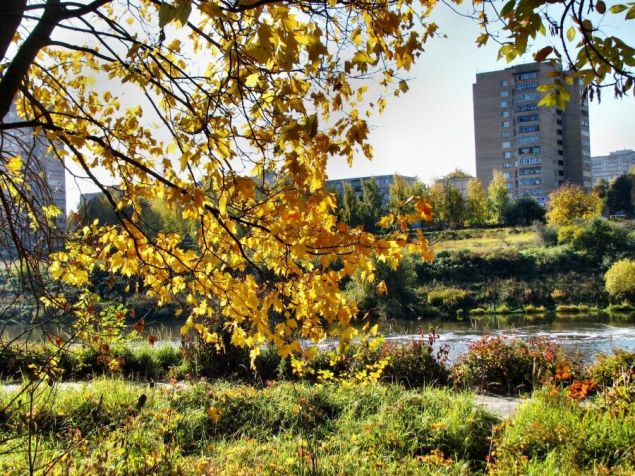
(42,182)
(536,148)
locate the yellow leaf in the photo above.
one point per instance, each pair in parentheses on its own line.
(15,164)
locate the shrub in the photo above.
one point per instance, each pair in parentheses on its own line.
(567,233)
(510,367)
(449,299)
(400,299)
(523,212)
(600,240)
(552,435)
(620,280)
(545,235)
(412,364)
(615,369)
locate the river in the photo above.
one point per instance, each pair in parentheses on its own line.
(586,335)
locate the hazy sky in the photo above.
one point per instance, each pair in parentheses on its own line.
(429,131)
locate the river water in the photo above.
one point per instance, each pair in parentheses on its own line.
(585,335)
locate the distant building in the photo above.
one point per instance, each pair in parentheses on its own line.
(44,181)
(537,148)
(383,181)
(611,166)
(458,180)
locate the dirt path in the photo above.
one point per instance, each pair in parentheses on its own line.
(504,407)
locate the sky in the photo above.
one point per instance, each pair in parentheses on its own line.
(429,131)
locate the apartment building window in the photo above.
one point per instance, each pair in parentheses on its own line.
(504,104)
(527,139)
(526,97)
(505,124)
(530,160)
(531,181)
(506,145)
(506,134)
(504,83)
(532,128)
(528,118)
(507,175)
(525,86)
(527,107)
(530,171)
(527,75)
(529,150)
(508,186)
(505,114)
(507,165)
(507,155)
(504,93)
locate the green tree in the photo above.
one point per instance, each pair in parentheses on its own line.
(619,196)
(497,197)
(371,206)
(523,212)
(476,203)
(436,196)
(454,205)
(620,280)
(350,207)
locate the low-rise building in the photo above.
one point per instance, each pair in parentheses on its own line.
(611,166)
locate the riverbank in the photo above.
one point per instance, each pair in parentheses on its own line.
(505,270)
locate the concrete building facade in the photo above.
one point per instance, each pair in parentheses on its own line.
(536,148)
(383,181)
(44,177)
(611,166)
(458,181)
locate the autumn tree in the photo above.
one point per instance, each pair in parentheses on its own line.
(476,203)
(228,112)
(570,203)
(497,197)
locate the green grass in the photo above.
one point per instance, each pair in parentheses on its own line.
(484,244)
(228,429)
(552,435)
(115,427)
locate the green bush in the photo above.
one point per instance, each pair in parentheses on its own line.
(509,367)
(449,299)
(620,280)
(401,300)
(615,369)
(552,435)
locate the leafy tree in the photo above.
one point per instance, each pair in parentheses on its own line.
(186,101)
(436,198)
(454,205)
(497,197)
(620,280)
(570,204)
(523,212)
(619,196)
(372,205)
(476,203)
(226,112)
(350,208)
